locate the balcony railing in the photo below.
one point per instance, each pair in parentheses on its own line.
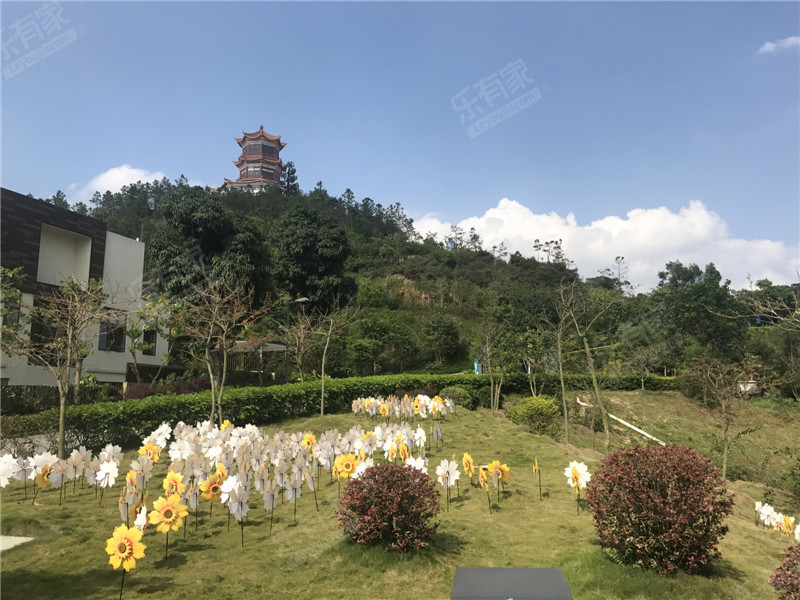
(264,177)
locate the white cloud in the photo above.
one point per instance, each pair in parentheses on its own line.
(647,238)
(784,44)
(111,180)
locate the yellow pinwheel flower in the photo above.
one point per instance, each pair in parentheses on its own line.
(168,513)
(345,465)
(151,451)
(469,466)
(211,489)
(124,547)
(225,424)
(309,440)
(482,479)
(173,483)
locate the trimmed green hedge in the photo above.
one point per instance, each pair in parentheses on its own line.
(127,422)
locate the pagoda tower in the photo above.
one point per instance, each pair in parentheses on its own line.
(260,162)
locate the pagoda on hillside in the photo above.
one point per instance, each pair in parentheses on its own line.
(260,162)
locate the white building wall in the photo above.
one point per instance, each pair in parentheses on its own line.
(122,281)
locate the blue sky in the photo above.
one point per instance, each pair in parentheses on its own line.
(659,130)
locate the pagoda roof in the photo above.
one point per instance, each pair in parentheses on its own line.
(256,159)
(260,134)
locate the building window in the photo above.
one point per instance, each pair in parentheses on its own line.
(149,339)
(112,335)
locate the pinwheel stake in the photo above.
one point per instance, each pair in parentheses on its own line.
(25,485)
(294,518)
(166,547)
(489,500)
(458,490)
(36,491)
(74,482)
(242,522)
(95,490)
(121,585)
(271,514)
(578,501)
(229,521)
(196,510)
(538,472)
(61,491)
(210,509)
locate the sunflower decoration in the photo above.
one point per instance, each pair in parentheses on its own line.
(484,483)
(346,465)
(384,410)
(469,466)
(211,489)
(168,513)
(537,473)
(151,451)
(309,441)
(173,483)
(42,478)
(225,424)
(123,548)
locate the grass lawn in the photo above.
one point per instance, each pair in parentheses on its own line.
(310,558)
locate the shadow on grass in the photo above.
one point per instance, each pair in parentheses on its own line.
(105,582)
(721,568)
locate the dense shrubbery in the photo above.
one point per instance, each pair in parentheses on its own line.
(167,386)
(28,399)
(460,396)
(659,508)
(391,506)
(538,414)
(786,580)
(125,422)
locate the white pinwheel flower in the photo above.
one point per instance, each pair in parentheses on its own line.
(110,453)
(231,484)
(180,450)
(797,534)
(419,463)
(420,438)
(24,469)
(75,464)
(293,490)
(143,467)
(92,469)
(361,467)
(577,474)
(141,519)
(447,473)
(8,466)
(269,494)
(107,474)
(237,502)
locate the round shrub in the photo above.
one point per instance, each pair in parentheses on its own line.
(459,395)
(389,505)
(659,508)
(786,580)
(538,414)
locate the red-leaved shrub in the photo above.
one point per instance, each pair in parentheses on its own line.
(786,580)
(390,505)
(660,508)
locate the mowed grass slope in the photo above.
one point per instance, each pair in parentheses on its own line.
(311,559)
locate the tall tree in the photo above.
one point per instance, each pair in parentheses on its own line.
(55,332)
(310,254)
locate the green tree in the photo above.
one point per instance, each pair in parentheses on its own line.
(442,336)
(206,242)
(695,303)
(310,254)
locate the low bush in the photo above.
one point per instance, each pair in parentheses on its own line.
(659,508)
(786,580)
(537,414)
(459,395)
(391,506)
